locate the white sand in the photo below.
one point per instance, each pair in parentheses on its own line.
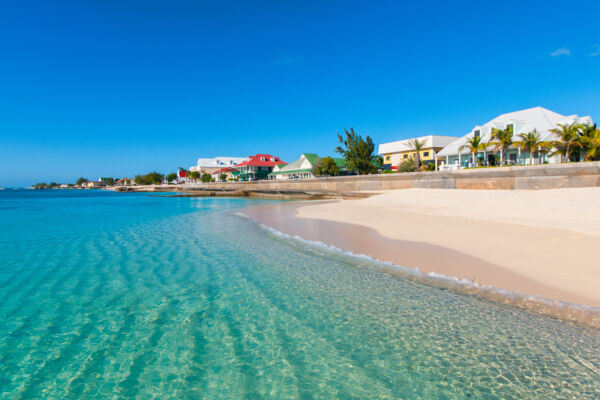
(551,237)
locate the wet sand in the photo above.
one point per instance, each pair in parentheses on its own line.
(512,249)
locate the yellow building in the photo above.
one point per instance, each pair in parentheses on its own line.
(394,153)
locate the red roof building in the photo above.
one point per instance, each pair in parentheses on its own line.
(257,167)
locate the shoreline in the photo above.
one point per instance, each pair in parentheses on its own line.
(563,293)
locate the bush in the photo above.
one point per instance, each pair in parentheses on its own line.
(407,165)
(153,178)
(205,178)
(326,166)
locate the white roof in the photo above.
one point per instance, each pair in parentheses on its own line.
(523,121)
(218,162)
(404,145)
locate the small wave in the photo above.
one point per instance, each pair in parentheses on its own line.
(576,313)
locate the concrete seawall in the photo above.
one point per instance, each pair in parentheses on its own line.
(550,176)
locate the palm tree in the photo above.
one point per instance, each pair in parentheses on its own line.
(530,142)
(474,145)
(590,141)
(502,139)
(417,145)
(568,139)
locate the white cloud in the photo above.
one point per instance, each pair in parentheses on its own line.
(596,51)
(562,51)
(288,59)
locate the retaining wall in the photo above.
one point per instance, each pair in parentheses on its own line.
(549,176)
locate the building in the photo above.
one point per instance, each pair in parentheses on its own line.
(210,165)
(394,153)
(228,172)
(256,167)
(182,176)
(524,121)
(302,168)
(93,184)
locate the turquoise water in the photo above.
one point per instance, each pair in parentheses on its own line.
(107,295)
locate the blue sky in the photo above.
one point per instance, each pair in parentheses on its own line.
(116,88)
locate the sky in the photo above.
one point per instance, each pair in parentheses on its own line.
(118,88)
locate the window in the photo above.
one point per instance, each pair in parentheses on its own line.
(272,158)
(406,156)
(388,158)
(426,154)
(477,133)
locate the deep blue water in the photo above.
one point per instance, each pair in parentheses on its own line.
(108,295)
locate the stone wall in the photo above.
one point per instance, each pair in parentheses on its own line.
(549,176)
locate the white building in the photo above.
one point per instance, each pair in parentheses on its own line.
(524,121)
(210,165)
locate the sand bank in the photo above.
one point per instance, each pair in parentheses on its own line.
(543,243)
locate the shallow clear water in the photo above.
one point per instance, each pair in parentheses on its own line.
(106,295)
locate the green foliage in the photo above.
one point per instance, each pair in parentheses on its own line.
(568,139)
(40,186)
(407,165)
(502,139)
(474,145)
(388,171)
(326,166)
(193,175)
(590,141)
(206,178)
(530,142)
(378,161)
(357,152)
(171,177)
(223,177)
(81,181)
(428,167)
(109,181)
(417,145)
(53,185)
(153,178)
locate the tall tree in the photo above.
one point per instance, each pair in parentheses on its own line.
(417,145)
(502,139)
(474,145)
(358,152)
(567,136)
(530,142)
(81,181)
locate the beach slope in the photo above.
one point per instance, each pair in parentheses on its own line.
(544,243)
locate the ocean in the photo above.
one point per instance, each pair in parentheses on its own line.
(127,295)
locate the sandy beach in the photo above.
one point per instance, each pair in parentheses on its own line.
(544,243)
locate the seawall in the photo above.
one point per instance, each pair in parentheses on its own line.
(551,176)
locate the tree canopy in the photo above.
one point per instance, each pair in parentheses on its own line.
(327,166)
(358,152)
(205,178)
(172,177)
(153,178)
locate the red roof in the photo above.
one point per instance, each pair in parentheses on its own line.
(222,170)
(181,174)
(261,160)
